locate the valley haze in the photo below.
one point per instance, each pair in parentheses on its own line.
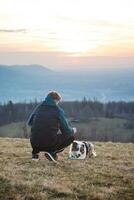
(21,83)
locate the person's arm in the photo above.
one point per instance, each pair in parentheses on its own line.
(64,125)
(31,117)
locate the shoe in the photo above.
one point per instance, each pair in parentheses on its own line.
(35,157)
(51,156)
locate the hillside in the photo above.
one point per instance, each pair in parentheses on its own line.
(108,176)
(100,129)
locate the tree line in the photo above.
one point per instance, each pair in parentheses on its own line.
(75,110)
(95,120)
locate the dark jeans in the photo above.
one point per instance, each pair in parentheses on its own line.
(63,140)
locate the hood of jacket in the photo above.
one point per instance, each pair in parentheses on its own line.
(50,101)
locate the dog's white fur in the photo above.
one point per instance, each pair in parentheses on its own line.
(80,150)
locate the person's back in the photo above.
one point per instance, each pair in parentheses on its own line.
(45,126)
(46,121)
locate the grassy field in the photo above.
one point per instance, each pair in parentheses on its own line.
(109,176)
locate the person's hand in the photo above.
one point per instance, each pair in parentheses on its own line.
(74,130)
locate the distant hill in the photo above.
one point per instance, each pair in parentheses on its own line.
(7,71)
(27,82)
(17,81)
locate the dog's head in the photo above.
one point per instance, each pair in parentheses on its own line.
(78,150)
(81,149)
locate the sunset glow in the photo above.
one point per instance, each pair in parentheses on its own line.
(72,27)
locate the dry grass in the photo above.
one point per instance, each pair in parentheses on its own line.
(108,176)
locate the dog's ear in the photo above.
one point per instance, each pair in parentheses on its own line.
(74,146)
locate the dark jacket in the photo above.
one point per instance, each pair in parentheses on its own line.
(45,121)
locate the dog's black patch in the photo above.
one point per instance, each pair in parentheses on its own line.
(87,147)
(82,148)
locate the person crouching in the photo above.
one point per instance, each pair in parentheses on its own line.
(50,130)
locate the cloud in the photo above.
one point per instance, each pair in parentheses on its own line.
(13,30)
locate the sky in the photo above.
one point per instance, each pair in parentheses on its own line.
(67,34)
